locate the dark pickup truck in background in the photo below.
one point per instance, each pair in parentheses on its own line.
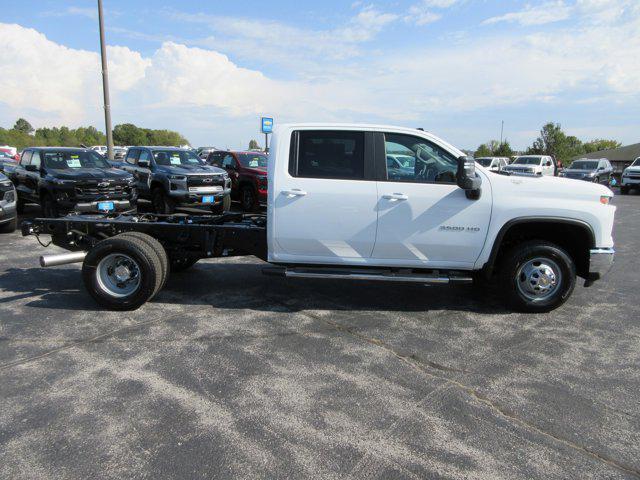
(63,180)
(248,173)
(172,177)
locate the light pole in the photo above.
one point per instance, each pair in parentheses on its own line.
(105,84)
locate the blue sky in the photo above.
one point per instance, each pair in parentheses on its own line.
(210,69)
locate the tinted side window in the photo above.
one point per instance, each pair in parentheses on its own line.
(35,158)
(420,160)
(132,156)
(145,155)
(330,154)
(228,161)
(215,158)
(26,158)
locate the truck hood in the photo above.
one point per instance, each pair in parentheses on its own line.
(190,169)
(90,174)
(632,170)
(549,188)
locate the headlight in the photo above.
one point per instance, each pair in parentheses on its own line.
(180,178)
(6,183)
(131,181)
(625,174)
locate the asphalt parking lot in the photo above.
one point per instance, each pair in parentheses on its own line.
(231,374)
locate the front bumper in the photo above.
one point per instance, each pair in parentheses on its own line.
(600,262)
(88,207)
(183,197)
(7,212)
(626,181)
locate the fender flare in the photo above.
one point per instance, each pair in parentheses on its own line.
(489,265)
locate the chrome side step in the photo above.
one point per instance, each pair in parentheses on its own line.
(363,275)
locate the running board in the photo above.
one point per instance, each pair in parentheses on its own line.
(363,275)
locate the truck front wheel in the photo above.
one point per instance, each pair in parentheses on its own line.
(624,190)
(161,202)
(538,276)
(122,273)
(248,198)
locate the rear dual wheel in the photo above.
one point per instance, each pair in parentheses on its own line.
(125,271)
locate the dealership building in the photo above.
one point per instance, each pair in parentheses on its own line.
(620,158)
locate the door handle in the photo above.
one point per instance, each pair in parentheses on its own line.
(396,197)
(295,192)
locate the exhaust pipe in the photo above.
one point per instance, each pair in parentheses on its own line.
(62,259)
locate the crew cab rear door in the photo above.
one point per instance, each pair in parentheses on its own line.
(424,219)
(323,198)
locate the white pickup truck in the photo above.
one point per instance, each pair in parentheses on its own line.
(532,165)
(337,211)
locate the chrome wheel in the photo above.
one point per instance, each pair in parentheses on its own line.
(538,279)
(118,275)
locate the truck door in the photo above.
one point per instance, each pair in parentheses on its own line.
(19,175)
(230,164)
(325,201)
(425,220)
(32,176)
(144,163)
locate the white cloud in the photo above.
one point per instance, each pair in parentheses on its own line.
(422,13)
(547,12)
(55,79)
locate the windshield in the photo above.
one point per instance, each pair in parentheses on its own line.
(636,163)
(583,165)
(528,161)
(74,159)
(252,160)
(169,158)
(485,162)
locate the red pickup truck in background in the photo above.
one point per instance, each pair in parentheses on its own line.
(248,173)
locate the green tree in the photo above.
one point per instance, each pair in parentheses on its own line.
(483,151)
(503,150)
(129,134)
(600,144)
(23,126)
(253,145)
(494,148)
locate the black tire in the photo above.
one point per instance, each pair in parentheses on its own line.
(180,264)
(596,180)
(49,207)
(526,292)
(222,208)
(10,226)
(624,190)
(19,205)
(161,202)
(248,198)
(149,272)
(157,247)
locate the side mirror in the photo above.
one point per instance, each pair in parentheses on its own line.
(32,168)
(143,163)
(467,179)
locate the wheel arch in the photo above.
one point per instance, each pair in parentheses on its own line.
(573,235)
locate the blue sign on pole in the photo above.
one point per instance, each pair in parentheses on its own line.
(267,125)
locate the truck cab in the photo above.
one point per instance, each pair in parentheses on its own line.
(493,164)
